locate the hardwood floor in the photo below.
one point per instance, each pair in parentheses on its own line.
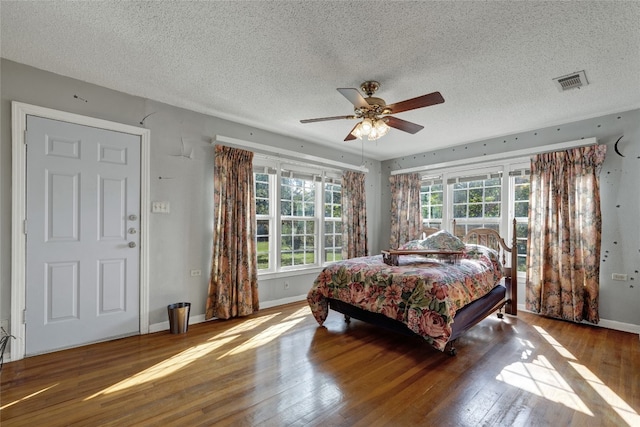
(278,368)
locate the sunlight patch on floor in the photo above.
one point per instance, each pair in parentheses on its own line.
(246,325)
(541,378)
(263,337)
(624,410)
(621,407)
(303,312)
(166,367)
(555,344)
(27,397)
(181,360)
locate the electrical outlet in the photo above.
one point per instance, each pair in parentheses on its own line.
(618,276)
(196,273)
(160,207)
(286,285)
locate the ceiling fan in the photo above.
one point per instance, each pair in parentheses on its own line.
(376,114)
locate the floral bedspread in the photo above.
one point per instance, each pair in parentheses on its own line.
(422,293)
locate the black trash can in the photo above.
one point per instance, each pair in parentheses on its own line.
(179,317)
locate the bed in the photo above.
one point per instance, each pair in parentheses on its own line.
(424,295)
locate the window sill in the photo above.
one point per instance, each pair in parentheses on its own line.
(289,273)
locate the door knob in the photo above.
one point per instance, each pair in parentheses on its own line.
(132,244)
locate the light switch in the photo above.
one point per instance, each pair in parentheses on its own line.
(160,207)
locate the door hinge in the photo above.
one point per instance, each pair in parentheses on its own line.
(25,137)
(24,316)
(24,226)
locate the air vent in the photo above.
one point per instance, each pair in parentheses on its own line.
(571,81)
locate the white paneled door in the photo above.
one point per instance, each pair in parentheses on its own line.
(82,253)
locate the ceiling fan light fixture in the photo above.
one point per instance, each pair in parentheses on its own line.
(357,131)
(381,126)
(371,129)
(366,125)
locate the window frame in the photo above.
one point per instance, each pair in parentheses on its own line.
(507,202)
(277,170)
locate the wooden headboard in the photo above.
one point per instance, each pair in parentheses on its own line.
(492,239)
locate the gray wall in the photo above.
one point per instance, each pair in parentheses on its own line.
(181,240)
(619,190)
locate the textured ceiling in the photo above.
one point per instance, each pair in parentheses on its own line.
(271,63)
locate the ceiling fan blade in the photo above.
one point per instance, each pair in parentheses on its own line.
(324,119)
(354,97)
(351,136)
(418,102)
(403,125)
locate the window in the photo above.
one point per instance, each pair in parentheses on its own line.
(298,222)
(299,216)
(431,201)
(490,196)
(332,222)
(476,202)
(264,219)
(520,185)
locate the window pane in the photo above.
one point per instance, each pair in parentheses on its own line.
(475,195)
(263,261)
(309,209)
(431,202)
(328,227)
(522,230)
(475,211)
(262,228)
(262,207)
(285,208)
(492,210)
(310,227)
(492,194)
(521,209)
(460,211)
(460,196)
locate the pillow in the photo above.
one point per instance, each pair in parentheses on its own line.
(443,241)
(473,251)
(412,245)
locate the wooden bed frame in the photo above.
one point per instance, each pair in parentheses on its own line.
(503,296)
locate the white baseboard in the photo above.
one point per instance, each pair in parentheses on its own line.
(283,301)
(164,326)
(604,323)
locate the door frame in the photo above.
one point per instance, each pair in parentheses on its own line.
(19,113)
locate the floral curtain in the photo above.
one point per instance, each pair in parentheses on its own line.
(354,215)
(406,217)
(233,284)
(563,262)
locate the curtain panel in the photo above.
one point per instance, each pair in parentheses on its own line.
(233,284)
(563,262)
(406,216)
(354,215)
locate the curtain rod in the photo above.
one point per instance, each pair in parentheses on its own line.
(268,149)
(501,156)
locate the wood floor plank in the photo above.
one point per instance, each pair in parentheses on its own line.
(279,368)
